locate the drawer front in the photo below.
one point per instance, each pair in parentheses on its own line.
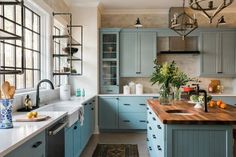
(110,90)
(33,147)
(132,104)
(132,121)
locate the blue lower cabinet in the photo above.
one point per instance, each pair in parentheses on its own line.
(85,129)
(132,120)
(35,147)
(169,140)
(72,141)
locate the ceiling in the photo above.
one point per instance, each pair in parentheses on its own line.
(134,4)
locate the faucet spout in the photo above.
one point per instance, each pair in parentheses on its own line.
(37,90)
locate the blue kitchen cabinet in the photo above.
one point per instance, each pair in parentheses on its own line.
(109,61)
(137,52)
(168,140)
(34,147)
(123,112)
(108,112)
(85,133)
(73,140)
(218,51)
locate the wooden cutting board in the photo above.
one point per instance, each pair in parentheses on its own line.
(26,119)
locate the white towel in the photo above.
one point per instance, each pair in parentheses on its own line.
(81,115)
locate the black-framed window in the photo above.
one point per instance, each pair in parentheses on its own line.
(10,50)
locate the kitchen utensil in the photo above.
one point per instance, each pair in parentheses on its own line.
(5,90)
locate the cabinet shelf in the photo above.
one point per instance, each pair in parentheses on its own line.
(75,63)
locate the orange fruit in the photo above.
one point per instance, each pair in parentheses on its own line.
(212,103)
(219,102)
(223,106)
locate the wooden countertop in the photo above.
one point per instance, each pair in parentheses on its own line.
(214,116)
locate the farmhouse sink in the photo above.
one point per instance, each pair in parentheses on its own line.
(71,109)
(179,112)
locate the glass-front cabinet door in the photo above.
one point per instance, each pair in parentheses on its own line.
(109,61)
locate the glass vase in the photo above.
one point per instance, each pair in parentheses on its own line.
(166,96)
(177,94)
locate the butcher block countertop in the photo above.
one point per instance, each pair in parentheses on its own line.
(214,116)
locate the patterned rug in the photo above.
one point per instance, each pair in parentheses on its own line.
(116,150)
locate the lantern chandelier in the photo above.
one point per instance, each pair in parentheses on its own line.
(183,24)
(210,8)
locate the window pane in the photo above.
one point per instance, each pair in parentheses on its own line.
(18,57)
(9,12)
(18,14)
(36,78)
(36,41)
(18,30)
(20,82)
(36,60)
(29,78)
(36,24)
(9,55)
(28,19)
(9,26)
(10,79)
(28,39)
(28,58)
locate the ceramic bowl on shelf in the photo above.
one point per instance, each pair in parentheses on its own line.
(72,49)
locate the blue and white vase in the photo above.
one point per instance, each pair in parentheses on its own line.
(6,113)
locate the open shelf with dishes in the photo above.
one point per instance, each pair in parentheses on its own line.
(68,59)
(11,33)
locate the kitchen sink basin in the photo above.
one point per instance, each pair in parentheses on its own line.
(71,109)
(179,112)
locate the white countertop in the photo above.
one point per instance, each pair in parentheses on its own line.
(23,131)
(12,138)
(223,94)
(145,94)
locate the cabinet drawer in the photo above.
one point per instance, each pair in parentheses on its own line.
(132,121)
(33,147)
(132,104)
(110,90)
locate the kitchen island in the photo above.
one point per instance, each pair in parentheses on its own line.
(180,130)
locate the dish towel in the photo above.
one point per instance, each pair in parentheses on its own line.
(81,115)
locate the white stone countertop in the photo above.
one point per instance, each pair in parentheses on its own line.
(12,138)
(223,94)
(145,94)
(23,131)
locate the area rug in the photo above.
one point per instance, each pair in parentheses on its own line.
(116,150)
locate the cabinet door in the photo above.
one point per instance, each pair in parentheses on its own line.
(128,50)
(76,135)
(147,54)
(69,141)
(85,134)
(108,112)
(34,147)
(209,51)
(228,42)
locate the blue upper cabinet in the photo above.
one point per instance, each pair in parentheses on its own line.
(109,61)
(137,52)
(218,53)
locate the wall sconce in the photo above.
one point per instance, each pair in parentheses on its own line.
(138,23)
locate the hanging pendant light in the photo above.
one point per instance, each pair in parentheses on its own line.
(183,24)
(210,8)
(138,23)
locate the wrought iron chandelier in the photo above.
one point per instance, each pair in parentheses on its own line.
(183,24)
(210,8)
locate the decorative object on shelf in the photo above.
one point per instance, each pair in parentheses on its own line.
(221,21)
(183,24)
(6,35)
(169,75)
(138,23)
(210,8)
(71,50)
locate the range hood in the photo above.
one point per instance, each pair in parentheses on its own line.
(175,45)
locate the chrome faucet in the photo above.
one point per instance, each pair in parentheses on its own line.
(37,90)
(197,91)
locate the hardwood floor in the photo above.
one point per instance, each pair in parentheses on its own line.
(117,138)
